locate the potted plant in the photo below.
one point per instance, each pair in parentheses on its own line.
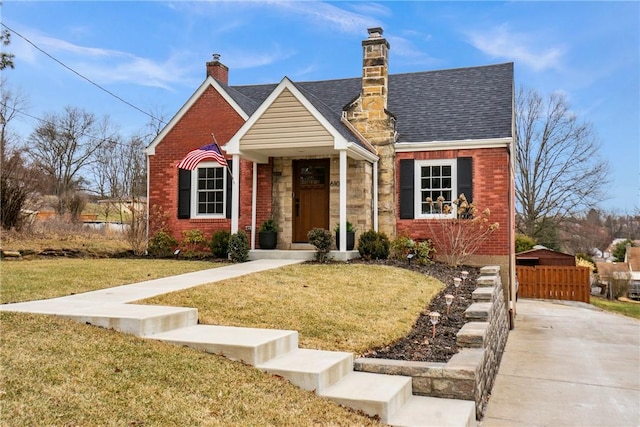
(351,236)
(268,234)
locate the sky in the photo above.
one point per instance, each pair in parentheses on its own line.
(130,60)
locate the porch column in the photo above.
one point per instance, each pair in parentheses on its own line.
(343,201)
(235,193)
(254,195)
(375,195)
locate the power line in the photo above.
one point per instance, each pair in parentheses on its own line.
(82,76)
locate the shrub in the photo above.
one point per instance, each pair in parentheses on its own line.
(192,240)
(136,234)
(238,247)
(219,244)
(400,247)
(524,243)
(423,252)
(373,245)
(269,225)
(162,244)
(460,237)
(322,240)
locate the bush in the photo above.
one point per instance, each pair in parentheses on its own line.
(373,245)
(400,247)
(423,252)
(238,247)
(524,243)
(219,244)
(162,244)
(193,240)
(322,240)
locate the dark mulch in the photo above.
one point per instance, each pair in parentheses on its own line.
(419,344)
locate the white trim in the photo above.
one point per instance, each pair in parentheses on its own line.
(235,194)
(465,144)
(194,191)
(209,82)
(375,165)
(254,202)
(417,187)
(343,201)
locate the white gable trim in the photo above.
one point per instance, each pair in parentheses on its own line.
(233,146)
(209,82)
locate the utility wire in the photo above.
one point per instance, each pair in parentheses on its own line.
(83,77)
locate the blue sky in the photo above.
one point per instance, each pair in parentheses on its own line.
(152,54)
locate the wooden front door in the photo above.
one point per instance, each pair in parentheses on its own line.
(310,197)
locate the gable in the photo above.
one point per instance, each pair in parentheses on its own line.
(209,84)
(286,123)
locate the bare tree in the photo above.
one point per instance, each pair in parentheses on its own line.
(559,170)
(64,146)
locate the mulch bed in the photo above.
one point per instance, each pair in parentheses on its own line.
(419,345)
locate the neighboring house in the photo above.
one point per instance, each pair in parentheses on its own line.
(632,259)
(540,255)
(366,150)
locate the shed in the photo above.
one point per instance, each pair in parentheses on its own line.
(543,256)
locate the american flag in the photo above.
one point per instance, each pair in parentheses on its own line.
(208,152)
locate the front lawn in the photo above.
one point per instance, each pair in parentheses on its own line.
(340,307)
(626,308)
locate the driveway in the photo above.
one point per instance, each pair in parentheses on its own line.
(568,364)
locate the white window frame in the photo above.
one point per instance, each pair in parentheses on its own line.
(194,191)
(417,185)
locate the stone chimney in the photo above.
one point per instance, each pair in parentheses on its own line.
(218,70)
(369,115)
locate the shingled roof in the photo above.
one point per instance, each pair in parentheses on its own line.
(444,105)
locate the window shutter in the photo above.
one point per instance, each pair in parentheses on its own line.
(407,194)
(184,193)
(229,189)
(465,177)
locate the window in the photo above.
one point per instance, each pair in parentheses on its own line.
(204,192)
(435,187)
(209,182)
(422,179)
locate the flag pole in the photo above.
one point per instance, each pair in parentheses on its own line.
(215,141)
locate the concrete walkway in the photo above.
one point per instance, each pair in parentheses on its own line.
(568,365)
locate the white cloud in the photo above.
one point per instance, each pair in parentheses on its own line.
(501,42)
(346,21)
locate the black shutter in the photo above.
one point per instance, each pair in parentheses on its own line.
(229,189)
(407,193)
(184,193)
(465,177)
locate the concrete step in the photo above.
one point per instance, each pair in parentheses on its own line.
(432,411)
(312,370)
(374,394)
(139,320)
(250,345)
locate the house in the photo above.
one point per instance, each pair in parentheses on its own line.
(368,150)
(540,255)
(632,259)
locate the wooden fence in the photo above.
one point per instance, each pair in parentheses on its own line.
(554,282)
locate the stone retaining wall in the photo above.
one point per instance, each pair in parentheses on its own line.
(470,373)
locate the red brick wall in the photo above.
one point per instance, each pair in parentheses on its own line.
(491,182)
(209,114)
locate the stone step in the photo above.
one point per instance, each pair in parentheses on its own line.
(432,411)
(312,370)
(374,394)
(250,345)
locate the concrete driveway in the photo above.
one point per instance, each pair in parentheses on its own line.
(568,364)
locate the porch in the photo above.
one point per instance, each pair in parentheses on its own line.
(305,252)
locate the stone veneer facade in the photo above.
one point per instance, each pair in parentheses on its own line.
(469,374)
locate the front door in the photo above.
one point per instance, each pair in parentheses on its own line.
(310,197)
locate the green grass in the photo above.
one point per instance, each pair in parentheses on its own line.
(630,309)
(57,372)
(49,278)
(333,306)
(61,373)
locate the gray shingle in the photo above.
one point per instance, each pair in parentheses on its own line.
(442,105)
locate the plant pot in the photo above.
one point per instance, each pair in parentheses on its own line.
(268,239)
(351,240)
